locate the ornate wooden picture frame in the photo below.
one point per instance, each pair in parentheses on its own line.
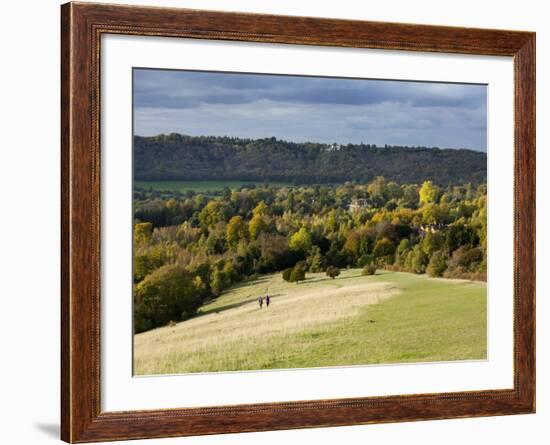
(82,25)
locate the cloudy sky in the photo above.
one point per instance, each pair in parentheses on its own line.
(315,109)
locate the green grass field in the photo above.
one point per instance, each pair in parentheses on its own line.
(391,317)
(200,186)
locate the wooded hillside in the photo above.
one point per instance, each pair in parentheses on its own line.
(181,157)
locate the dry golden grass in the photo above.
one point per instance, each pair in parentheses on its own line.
(294,307)
(354,319)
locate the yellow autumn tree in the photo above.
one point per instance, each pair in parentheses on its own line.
(428,193)
(235,231)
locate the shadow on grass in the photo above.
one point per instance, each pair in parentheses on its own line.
(226,307)
(248,283)
(234,305)
(261,280)
(317,280)
(322,279)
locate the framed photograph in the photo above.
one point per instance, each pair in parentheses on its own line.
(274,222)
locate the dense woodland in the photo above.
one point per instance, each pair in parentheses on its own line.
(181,157)
(190,247)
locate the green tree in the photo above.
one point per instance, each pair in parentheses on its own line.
(435,213)
(432,242)
(466,259)
(457,235)
(261,209)
(298,273)
(410,196)
(418,260)
(402,251)
(287,273)
(332,272)
(257,226)
(226,193)
(403,246)
(145,263)
(213,213)
(273,251)
(383,248)
(142,233)
(428,193)
(164,296)
(235,231)
(437,264)
(215,242)
(479,220)
(316,261)
(301,240)
(393,191)
(369,269)
(220,280)
(352,246)
(377,188)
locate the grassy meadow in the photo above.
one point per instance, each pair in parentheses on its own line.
(200,186)
(391,317)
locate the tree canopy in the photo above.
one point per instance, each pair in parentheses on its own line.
(167,294)
(191,247)
(182,157)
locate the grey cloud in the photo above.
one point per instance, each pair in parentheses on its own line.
(310,108)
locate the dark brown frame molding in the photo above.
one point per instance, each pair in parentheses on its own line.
(82,25)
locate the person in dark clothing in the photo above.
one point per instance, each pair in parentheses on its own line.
(260,301)
(267,300)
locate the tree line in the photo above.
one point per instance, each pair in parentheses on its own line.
(188,249)
(181,157)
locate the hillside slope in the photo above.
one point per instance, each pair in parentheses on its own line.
(186,158)
(388,318)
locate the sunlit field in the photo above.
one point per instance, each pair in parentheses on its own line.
(391,317)
(200,186)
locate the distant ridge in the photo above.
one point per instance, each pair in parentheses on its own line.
(195,158)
